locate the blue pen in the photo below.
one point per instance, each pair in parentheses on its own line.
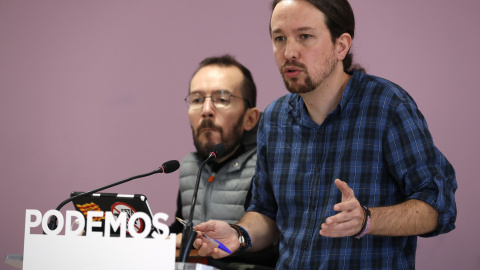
(214,242)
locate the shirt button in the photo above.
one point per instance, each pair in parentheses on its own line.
(317,169)
(321,131)
(235,164)
(304,246)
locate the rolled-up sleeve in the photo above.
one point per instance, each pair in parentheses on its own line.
(421,170)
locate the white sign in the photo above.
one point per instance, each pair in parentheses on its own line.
(71,251)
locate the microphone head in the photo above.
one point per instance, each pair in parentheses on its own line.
(218,150)
(170,166)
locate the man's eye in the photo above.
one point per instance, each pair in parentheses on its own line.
(305,36)
(279,39)
(222,100)
(196,100)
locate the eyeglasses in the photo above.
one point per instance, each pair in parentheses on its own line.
(220,99)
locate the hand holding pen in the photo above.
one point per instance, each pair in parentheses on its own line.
(214,242)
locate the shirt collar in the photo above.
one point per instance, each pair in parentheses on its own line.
(297,105)
(352,85)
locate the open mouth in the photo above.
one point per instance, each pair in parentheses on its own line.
(291,72)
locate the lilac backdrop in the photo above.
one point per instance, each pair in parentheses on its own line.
(91,92)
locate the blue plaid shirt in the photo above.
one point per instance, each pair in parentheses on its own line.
(378,142)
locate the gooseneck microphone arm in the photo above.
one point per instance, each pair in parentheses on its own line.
(189,234)
(167,167)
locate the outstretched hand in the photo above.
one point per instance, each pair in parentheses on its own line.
(222,232)
(349,221)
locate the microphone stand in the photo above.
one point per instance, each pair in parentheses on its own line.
(189,234)
(52,223)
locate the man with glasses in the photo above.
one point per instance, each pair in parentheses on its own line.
(221,109)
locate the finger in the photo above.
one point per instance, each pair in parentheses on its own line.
(351,224)
(333,234)
(216,254)
(342,217)
(197,244)
(344,188)
(204,250)
(342,224)
(205,226)
(339,229)
(338,218)
(349,205)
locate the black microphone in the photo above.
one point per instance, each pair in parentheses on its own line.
(216,152)
(189,234)
(167,167)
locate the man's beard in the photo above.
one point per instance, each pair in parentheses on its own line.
(231,143)
(309,84)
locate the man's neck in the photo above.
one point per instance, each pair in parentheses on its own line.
(227,156)
(323,100)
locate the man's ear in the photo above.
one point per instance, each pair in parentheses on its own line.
(344,43)
(251,118)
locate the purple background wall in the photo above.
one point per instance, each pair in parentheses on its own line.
(91,92)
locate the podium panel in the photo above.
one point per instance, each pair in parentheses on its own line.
(83,252)
(16,260)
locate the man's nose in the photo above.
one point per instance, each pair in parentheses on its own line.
(208,109)
(291,50)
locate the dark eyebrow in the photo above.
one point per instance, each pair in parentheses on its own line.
(202,92)
(300,29)
(276,31)
(304,28)
(196,92)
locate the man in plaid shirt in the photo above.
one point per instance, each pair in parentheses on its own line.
(347,174)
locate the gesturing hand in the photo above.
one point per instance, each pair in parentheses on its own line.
(349,221)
